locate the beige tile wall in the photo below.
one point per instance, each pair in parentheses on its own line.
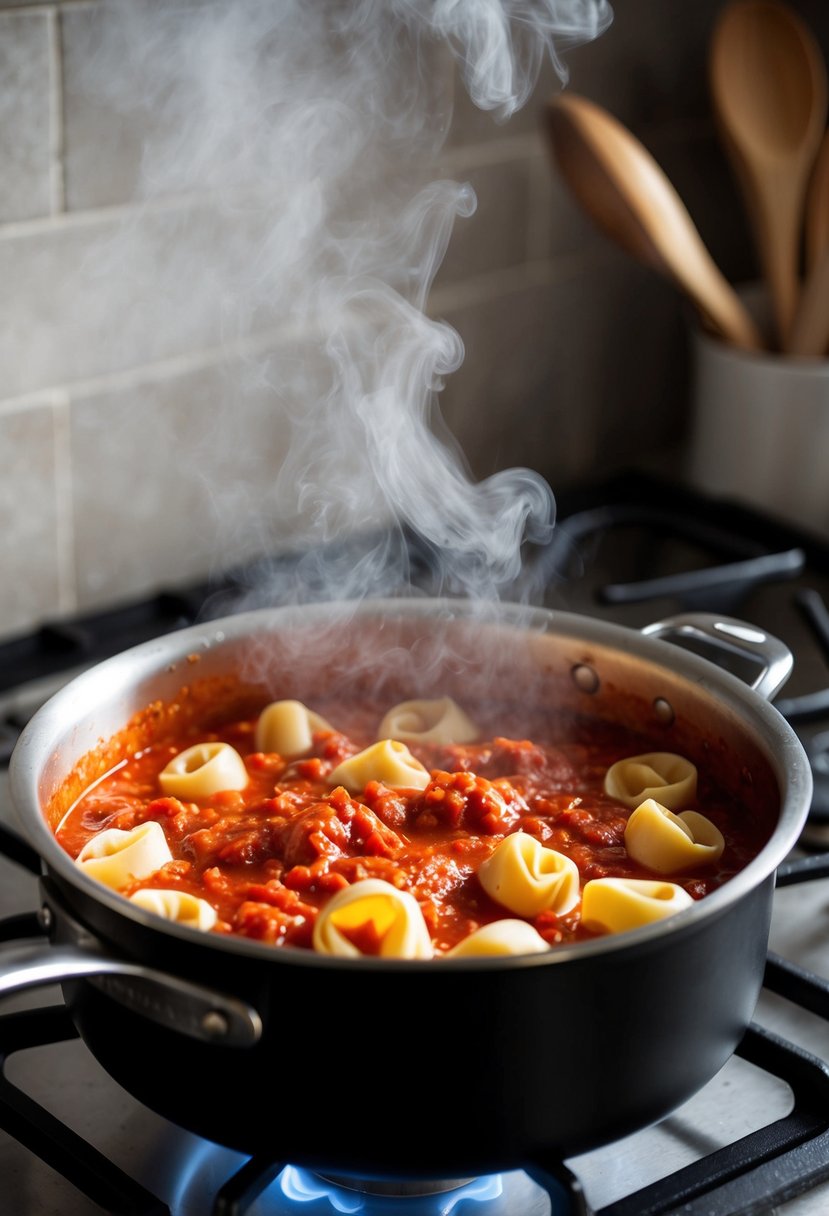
(143,433)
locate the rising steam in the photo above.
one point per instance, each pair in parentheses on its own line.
(326,118)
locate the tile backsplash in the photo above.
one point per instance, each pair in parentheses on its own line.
(155,333)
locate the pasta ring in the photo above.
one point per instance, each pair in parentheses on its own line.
(116,857)
(179,906)
(500,937)
(387,761)
(528,878)
(202,770)
(668,843)
(392,917)
(669,778)
(287,727)
(438,721)
(618,904)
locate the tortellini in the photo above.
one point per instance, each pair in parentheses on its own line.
(180,906)
(500,937)
(387,761)
(668,843)
(438,721)
(115,857)
(618,904)
(528,878)
(287,727)
(202,770)
(662,775)
(377,912)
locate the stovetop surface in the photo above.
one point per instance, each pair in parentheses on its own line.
(686,535)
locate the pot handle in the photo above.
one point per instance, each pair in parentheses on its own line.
(737,637)
(169,1000)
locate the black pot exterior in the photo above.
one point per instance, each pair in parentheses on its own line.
(491,1067)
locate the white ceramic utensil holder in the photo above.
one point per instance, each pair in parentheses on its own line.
(760,427)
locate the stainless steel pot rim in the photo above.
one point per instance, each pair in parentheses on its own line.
(787,755)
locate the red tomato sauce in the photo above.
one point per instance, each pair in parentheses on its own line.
(268,857)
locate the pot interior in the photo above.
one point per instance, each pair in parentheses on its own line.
(512,665)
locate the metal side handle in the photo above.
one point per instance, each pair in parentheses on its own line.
(736,637)
(167,999)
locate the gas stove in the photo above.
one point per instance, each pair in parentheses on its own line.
(755,1140)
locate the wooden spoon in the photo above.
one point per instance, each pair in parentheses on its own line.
(628,196)
(810,330)
(817,208)
(768,82)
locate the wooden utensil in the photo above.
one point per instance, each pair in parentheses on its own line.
(817,208)
(768,82)
(628,196)
(810,331)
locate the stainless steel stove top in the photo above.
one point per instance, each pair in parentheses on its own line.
(186,1173)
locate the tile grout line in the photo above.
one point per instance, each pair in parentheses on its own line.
(485,287)
(175,365)
(461,157)
(456,162)
(57,130)
(64,506)
(162,205)
(480,288)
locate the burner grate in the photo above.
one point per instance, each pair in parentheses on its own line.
(58,1145)
(771,1166)
(718,588)
(746,1178)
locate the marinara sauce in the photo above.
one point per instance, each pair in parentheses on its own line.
(268,857)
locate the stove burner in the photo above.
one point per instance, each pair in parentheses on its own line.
(396,1188)
(493,1195)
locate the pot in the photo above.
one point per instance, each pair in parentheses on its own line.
(329,1062)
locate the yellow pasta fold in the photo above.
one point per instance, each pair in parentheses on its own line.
(115,857)
(618,904)
(287,727)
(500,937)
(387,761)
(375,911)
(202,770)
(439,721)
(180,906)
(662,775)
(669,843)
(528,878)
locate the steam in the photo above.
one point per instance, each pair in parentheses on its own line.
(501,44)
(317,125)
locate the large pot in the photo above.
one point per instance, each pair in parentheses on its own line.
(331,1062)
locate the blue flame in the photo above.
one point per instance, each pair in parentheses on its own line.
(204,1167)
(305,1188)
